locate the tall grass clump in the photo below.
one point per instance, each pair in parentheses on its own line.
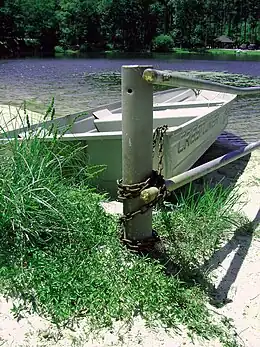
(34,175)
(60,253)
(195,224)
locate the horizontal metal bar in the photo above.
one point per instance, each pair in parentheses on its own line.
(148,195)
(175,79)
(199,171)
(193,104)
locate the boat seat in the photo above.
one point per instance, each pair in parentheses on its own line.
(114,122)
(162,114)
(102,114)
(105,113)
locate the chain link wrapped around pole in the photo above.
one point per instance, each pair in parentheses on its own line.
(132,191)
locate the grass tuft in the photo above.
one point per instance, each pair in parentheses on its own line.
(61,254)
(193,226)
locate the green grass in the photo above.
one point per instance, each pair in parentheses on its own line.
(188,51)
(212,51)
(233,52)
(61,254)
(35,105)
(59,51)
(217,51)
(194,225)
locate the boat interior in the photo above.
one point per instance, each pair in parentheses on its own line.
(173,107)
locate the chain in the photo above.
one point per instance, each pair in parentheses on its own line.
(158,136)
(142,246)
(155,180)
(133,191)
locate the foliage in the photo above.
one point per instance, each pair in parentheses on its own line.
(59,50)
(61,253)
(163,43)
(129,25)
(195,223)
(30,200)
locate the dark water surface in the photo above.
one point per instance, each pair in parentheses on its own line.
(80,83)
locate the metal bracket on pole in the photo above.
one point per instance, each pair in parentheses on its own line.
(175,79)
(137,136)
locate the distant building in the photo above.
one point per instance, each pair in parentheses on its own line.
(224,42)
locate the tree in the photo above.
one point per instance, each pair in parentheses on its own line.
(129,25)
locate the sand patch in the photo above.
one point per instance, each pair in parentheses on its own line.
(12,118)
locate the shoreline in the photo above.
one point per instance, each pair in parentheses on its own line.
(12,117)
(176,50)
(58,52)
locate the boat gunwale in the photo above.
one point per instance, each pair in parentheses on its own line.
(116,135)
(63,122)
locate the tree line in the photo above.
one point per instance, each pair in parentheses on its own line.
(125,25)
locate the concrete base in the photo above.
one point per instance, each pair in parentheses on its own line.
(113,207)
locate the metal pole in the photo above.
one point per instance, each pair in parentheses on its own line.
(175,79)
(180,180)
(202,170)
(137,135)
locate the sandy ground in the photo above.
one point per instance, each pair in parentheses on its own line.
(12,117)
(236,276)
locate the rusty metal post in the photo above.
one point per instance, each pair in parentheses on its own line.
(137,138)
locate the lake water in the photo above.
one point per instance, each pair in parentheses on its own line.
(80,83)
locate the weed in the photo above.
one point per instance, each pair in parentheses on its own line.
(61,254)
(194,225)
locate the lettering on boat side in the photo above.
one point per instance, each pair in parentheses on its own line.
(193,134)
